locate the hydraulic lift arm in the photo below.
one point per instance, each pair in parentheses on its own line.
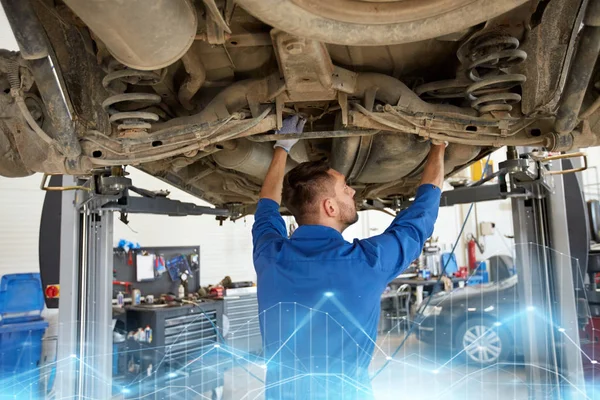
(546,287)
(76,240)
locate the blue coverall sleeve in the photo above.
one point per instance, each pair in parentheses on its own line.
(268,225)
(403,240)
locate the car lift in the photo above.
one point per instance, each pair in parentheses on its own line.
(539,217)
(536,188)
(85,230)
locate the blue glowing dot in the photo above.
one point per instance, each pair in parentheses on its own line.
(561,329)
(530,308)
(172,375)
(497,323)
(328,294)
(435,371)
(125,391)
(217,346)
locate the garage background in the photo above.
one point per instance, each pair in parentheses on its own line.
(227,249)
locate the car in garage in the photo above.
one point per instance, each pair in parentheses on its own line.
(192,91)
(481,323)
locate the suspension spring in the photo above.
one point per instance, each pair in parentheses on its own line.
(129,110)
(490,55)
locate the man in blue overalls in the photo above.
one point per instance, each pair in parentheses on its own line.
(319,296)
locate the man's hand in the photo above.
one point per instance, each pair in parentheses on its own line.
(434,166)
(291,125)
(273,183)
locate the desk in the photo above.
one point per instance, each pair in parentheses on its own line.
(407,275)
(421,284)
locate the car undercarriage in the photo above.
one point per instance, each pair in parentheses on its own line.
(193,92)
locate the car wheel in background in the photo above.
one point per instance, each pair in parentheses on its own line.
(480,342)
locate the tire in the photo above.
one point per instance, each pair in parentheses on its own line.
(362,23)
(497,343)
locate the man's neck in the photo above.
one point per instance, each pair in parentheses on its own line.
(330,224)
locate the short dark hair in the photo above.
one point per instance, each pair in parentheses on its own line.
(304,185)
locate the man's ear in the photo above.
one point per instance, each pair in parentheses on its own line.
(330,207)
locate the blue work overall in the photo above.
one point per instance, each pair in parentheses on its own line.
(319,298)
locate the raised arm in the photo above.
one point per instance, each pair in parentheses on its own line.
(273,184)
(403,240)
(268,224)
(434,167)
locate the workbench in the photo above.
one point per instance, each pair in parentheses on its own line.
(181,360)
(423,285)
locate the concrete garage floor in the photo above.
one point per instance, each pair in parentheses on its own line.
(411,375)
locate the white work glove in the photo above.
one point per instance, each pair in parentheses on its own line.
(291,125)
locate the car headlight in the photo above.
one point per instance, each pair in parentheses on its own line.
(432,310)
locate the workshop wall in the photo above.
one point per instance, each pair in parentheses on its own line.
(591,177)
(499,212)
(224,250)
(21,203)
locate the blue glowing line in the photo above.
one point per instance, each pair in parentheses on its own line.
(304,321)
(353,320)
(412,327)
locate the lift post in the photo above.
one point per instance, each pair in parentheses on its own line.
(84,353)
(536,190)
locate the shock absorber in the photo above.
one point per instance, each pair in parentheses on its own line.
(490,56)
(128,110)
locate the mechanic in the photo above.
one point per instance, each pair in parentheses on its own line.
(319,295)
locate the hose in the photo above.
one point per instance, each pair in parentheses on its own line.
(20,101)
(17,94)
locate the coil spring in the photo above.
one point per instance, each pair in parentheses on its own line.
(129,114)
(13,75)
(490,55)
